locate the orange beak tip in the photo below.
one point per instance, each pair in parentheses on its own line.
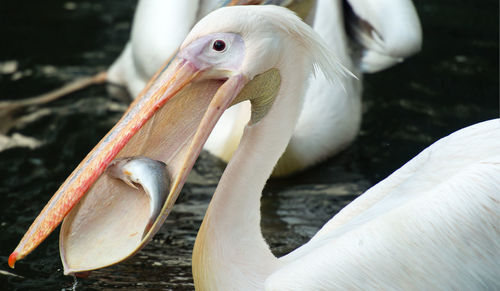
(12,259)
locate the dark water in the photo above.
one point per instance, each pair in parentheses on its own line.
(452,83)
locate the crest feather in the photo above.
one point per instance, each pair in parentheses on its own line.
(322,56)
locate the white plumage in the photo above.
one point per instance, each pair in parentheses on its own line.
(431,224)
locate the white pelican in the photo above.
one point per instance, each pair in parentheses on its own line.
(367,37)
(377,36)
(433,223)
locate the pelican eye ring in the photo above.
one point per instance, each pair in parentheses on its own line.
(219,45)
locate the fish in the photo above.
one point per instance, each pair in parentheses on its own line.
(151,175)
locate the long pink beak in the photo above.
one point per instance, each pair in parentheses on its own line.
(169,121)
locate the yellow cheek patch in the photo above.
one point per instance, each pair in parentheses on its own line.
(261,92)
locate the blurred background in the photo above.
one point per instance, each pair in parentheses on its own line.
(452,83)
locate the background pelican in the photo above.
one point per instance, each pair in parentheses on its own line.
(367,38)
(374,242)
(451,84)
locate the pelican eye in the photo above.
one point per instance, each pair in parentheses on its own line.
(219,45)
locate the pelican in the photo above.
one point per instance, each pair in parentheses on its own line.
(376,37)
(365,36)
(434,222)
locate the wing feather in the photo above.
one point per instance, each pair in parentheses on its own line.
(432,223)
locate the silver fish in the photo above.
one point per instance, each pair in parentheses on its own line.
(151,175)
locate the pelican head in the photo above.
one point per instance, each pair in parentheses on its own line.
(233,54)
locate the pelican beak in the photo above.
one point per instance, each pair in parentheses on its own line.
(105,219)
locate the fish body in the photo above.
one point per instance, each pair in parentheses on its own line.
(151,175)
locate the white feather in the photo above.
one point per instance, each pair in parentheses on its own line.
(431,223)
